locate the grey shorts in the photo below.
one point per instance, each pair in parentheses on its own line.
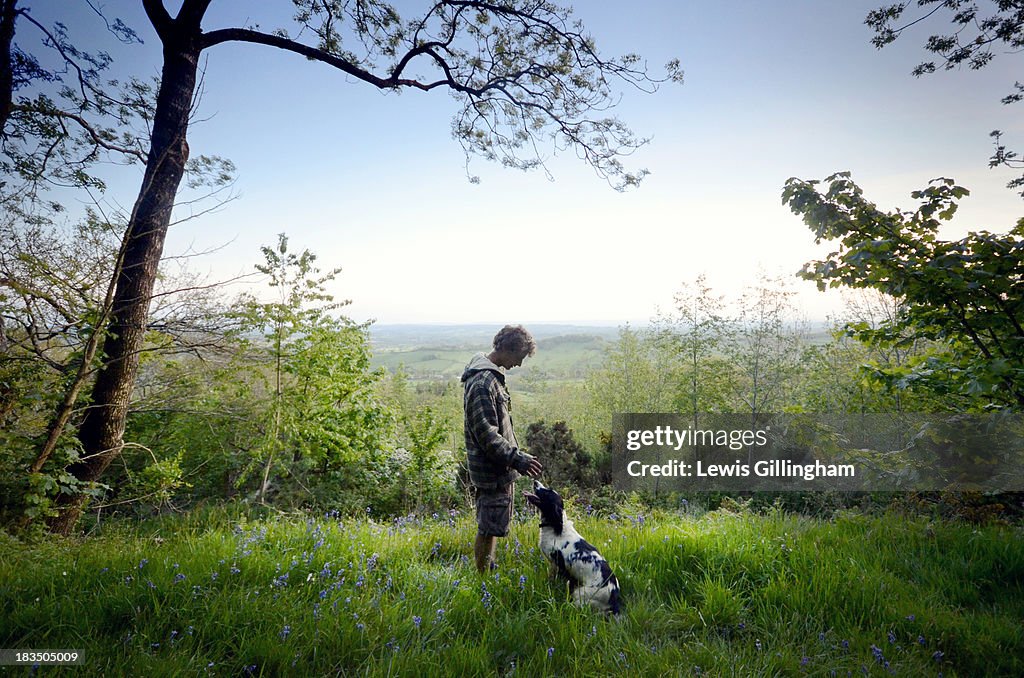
(494,511)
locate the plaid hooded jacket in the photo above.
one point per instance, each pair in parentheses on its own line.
(494,455)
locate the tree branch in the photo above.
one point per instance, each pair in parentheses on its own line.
(158,16)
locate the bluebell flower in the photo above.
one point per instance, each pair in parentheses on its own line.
(939,654)
(142,563)
(892,637)
(285,632)
(551,652)
(920,640)
(179,577)
(416,620)
(440,613)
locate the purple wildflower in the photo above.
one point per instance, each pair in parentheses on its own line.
(416,620)
(551,652)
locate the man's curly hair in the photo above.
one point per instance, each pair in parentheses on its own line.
(515,338)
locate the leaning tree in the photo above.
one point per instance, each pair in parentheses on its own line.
(526,76)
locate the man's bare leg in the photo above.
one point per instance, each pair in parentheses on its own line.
(483,549)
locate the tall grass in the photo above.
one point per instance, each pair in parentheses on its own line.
(718,594)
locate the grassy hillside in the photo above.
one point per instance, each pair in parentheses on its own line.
(718,594)
(568,356)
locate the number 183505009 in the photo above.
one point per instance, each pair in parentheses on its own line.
(10,657)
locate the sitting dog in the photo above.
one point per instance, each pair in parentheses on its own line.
(590,578)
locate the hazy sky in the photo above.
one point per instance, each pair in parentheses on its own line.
(375,184)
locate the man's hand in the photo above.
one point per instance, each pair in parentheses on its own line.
(531,467)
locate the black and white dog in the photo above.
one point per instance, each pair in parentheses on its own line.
(590,578)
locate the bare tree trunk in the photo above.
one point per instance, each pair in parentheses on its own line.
(8,14)
(102,430)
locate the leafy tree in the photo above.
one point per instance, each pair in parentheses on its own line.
(694,334)
(523,72)
(74,119)
(972,42)
(841,375)
(636,377)
(966,295)
(54,291)
(432,469)
(762,345)
(321,405)
(565,460)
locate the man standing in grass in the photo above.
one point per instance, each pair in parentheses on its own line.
(495,460)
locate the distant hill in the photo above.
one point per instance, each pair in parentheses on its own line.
(475,336)
(442,351)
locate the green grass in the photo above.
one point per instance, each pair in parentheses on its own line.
(731,594)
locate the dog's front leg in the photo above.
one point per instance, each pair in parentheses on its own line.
(558,565)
